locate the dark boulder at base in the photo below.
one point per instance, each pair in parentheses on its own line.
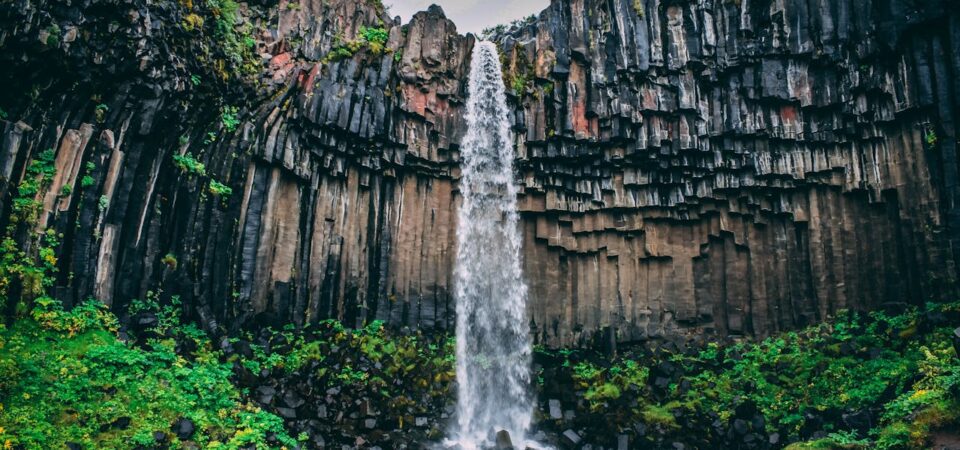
(503,441)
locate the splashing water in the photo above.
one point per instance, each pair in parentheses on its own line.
(493,344)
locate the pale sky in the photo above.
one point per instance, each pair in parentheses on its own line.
(471,15)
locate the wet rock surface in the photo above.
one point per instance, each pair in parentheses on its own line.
(686,167)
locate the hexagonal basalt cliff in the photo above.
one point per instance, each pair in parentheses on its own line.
(685,166)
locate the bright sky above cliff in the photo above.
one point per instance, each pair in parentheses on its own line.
(470,15)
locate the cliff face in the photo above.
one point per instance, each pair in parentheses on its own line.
(744,166)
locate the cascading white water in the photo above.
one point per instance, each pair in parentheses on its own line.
(493,343)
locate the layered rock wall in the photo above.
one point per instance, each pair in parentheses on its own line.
(685,166)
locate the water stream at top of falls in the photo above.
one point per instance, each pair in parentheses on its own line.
(493,342)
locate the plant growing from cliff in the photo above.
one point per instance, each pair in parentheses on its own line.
(192,22)
(3,114)
(53,35)
(930,137)
(87,180)
(226,42)
(220,190)
(170,261)
(373,39)
(638,7)
(34,271)
(229,118)
(188,164)
(490,32)
(100,112)
(519,84)
(40,172)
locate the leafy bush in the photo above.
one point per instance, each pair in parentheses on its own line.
(66,378)
(40,172)
(53,35)
(228,49)
(229,118)
(374,39)
(409,374)
(188,164)
(902,370)
(221,190)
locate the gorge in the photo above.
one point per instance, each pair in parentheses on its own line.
(300,179)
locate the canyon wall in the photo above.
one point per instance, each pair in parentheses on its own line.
(740,167)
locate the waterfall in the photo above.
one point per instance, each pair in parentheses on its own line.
(493,343)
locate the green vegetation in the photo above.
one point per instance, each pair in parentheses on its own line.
(232,56)
(902,369)
(190,165)
(490,32)
(87,180)
(28,269)
(376,38)
(519,84)
(101,112)
(170,261)
(372,39)
(336,352)
(53,35)
(66,378)
(39,176)
(930,137)
(221,190)
(517,71)
(638,7)
(229,118)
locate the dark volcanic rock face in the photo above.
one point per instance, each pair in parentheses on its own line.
(739,166)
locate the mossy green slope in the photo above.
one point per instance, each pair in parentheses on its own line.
(67,378)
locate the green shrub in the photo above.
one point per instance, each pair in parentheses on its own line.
(101,112)
(229,118)
(53,35)
(893,364)
(170,261)
(188,164)
(67,378)
(221,190)
(373,39)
